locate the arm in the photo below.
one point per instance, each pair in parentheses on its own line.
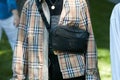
(19,58)
(91,55)
(13,8)
(16,17)
(114,41)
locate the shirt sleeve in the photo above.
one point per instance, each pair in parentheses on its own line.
(11,5)
(91,55)
(114,41)
(91,75)
(19,58)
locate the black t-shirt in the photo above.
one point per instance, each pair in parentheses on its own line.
(58,6)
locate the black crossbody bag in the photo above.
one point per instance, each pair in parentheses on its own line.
(66,38)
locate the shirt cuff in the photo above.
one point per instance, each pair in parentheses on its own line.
(91,75)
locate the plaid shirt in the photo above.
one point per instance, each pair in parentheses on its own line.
(31,51)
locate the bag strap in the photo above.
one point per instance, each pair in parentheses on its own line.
(39,6)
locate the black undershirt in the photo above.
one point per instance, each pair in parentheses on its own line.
(54,69)
(58,6)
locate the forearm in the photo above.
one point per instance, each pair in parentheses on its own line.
(15,12)
(16,17)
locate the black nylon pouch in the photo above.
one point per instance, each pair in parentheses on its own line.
(69,39)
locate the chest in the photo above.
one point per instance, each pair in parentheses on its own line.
(55,6)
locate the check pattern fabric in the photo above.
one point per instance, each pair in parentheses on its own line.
(75,12)
(30,59)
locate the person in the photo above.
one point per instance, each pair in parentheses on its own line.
(114,41)
(9,20)
(30,60)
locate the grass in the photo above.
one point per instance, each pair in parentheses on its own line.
(100,14)
(5,59)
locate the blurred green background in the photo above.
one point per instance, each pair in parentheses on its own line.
(100,15)
(100,11)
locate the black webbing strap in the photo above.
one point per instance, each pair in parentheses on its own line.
(39,6)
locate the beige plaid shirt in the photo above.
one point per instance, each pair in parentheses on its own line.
(30,59)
